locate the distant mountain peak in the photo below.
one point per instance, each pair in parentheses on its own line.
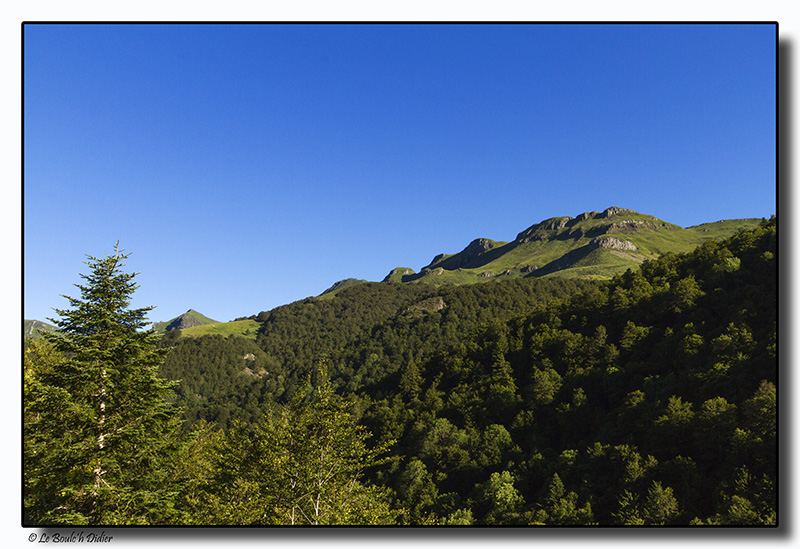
(343,284)
(188,319)
(35,328)
(397,274)
(591,244)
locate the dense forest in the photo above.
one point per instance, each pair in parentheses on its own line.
(649,399)
(366,333)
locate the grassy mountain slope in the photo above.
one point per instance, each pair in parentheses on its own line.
(593,244)
(245,328)
(34,328)
(188,319)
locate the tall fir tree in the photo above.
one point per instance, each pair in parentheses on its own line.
(97,422)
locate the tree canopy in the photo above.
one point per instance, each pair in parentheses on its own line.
(647,399)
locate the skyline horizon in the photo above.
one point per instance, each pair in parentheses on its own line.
(154,320)
(275,160)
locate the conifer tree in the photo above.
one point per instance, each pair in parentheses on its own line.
(101,419)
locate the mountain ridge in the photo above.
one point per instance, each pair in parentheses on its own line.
(592,244)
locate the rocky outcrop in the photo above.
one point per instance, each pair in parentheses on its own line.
(429,305)
(478,246)
(547,229)
(632,225)
(466,258)
(586,215)
(397,273)
(613,210)
(555,223)
(544,230)
(250,373)
(613,243)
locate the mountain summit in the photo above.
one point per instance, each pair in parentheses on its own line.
(592,245)
(189,319)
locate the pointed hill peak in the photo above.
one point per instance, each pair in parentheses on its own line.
(189,319)
(342,284)
(400,274)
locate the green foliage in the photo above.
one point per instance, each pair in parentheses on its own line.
(299,465)
(373,335)
(501,502)
(561,508)
(647,399)
(660,505)
(654,389)
(221,379)
(97,425)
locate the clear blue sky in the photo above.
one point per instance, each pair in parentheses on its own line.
(245,167)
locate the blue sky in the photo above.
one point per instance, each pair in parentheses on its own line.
(248,166)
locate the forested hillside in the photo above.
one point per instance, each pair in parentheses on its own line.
(649,399)
(366,332)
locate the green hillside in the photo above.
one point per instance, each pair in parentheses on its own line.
(649,398)
(646,399)
(246,328)
(593,245)
(194,324)
(35,328)
(189,319)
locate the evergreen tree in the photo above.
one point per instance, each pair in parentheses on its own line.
(97,422)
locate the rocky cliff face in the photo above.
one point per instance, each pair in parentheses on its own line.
(469,257)
(613,243)
(473,250)
(544,230)
(613,210)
